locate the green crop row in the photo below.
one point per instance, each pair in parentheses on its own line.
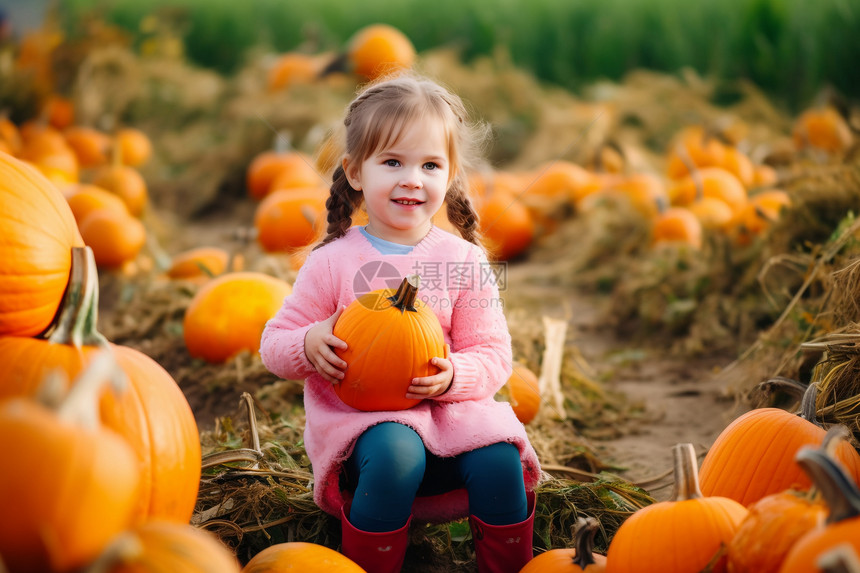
(791,48)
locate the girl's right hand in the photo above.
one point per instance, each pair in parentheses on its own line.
(319,344)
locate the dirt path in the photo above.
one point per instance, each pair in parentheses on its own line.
(675,399)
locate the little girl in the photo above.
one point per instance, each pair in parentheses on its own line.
(458,451)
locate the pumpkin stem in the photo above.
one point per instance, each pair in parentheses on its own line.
(81,404)
(686,473)
(127,547)
(840,559)
(585,528)
(790,386)
(407,292)
(807,404)
(838,490)
(831,441)
(76,322)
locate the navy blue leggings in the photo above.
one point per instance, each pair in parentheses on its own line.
(390,466)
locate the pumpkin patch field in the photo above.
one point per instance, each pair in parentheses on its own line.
(677,254)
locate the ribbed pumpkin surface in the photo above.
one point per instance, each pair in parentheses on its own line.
(754,456)
(387,349)
(37,232)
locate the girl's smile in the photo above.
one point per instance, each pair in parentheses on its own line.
(404,185)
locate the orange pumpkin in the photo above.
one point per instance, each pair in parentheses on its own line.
(754,456)
(164,547)
(391,337)
(710,182)
(135,148)
(677,225)
(293,68)
(291,218)
(59,111)
(645,191)
(760,213)
(822,128)
(46,148)
(842,527)
(153,415)
(713,213)
(200,262)
(91,146)
(560,180)
(506,224)
(379,49)
(764,176)
(677,536)
(774,524)
(523,392)
(115,237)
(300,557)
(38,231)
(72,487)
(300,173)
(125,182)
(297,170)
(227,315)
(84,199)
(580,557)
(693,147)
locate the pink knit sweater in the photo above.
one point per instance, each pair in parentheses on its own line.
(458,285)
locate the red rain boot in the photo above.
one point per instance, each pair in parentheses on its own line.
(504,548)
(381,552)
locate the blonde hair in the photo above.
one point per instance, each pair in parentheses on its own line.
(376,119)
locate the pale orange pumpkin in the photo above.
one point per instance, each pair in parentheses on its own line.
(649,539)
(292,68)
(127,183)
(300,557)
(201,262)
(91,146)
(822,128)
(115,237)
(709,182)
(289,219)
(159,546)
(74,483)
(135,147)
(679,226)
(379,49)
(693,147)
(393,328)
(227,315)
(153,415)
(38,231)
(84,199)
(297,169)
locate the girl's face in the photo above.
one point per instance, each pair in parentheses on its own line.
(405,184)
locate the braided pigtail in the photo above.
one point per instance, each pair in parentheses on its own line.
(461,212)
(342,201)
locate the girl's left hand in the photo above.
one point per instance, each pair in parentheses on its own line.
(429,386)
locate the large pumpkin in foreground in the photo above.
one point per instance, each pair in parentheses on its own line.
(391,338)
(754,456)
(37,232)
(152,414)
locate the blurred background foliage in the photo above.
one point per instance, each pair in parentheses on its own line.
(790,48)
